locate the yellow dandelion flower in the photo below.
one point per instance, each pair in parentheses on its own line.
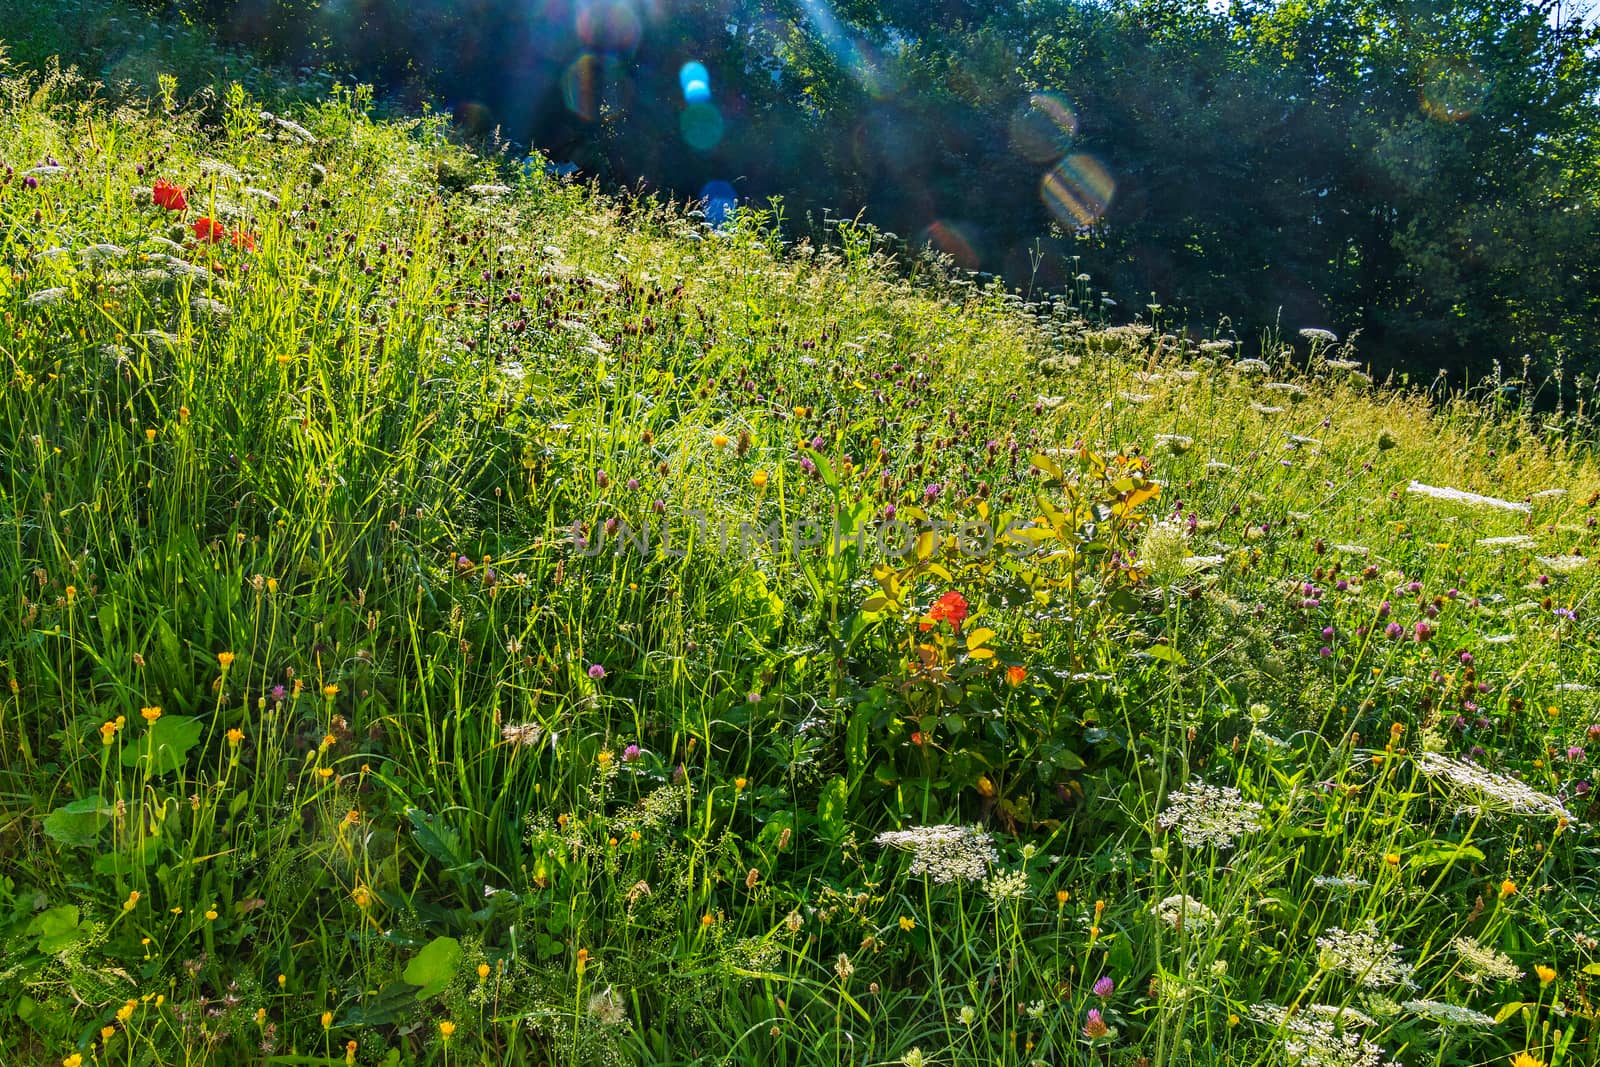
(225,659)
(1507,888)
(740,783)
(1392,859)
(1546,974)
(483,971)
(330,691)
(447,1029)
(759,479)
(720,440)
(1526,1059)
(327,1019)
(325,773)
(74,1060)
(261,1016)
(150,714)
(235,736)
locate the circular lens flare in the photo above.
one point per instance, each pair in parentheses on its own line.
(609,26)
(1043,128)
(695,81)
(1078,190)
(580,87)
(953,240)
(701,126)
(720,201)
(1452,90)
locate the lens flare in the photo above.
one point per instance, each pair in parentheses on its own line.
(701,126)
(1043,128)
(1077,190)
(609,26)
(695,81)
(954,240)
(580,87)
(720,201)
(1453,89)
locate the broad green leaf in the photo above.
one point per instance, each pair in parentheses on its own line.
(433,967)
(831,805)
(78,823)
(55,929)
(1167,654)
(164,745)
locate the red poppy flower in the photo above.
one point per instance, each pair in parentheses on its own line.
(950,608)
(208,229)
(169,196)
(246,241)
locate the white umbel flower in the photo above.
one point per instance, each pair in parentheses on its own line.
(1461,496)
(944,853)
(1494,792)
(1366,956)
(1204,814)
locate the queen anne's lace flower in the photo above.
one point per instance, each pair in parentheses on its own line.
(1447,1014)
(1184,912)
(1365,955)
(1204,814)
(1461,496)
(1315,1039)
(1480,963)
(1496,792)
(944,853)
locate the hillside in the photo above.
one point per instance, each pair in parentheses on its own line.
(463,618)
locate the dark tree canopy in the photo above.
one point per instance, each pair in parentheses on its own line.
(1424,171)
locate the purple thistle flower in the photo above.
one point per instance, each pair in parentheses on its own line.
(1394,630)
(631,753)
(1104,986)
(278,693)
(596,671)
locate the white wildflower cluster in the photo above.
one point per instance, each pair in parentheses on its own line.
(1340,882)
(1006,885)
(944,853)
(1561,564)
(1163,550)
(1341,1014)
(1313,334)
(1461,496)
(1447,1014)
(1204,814)
(1366,956)
(1183,912)
(1495,792)
(1480,963)
(1314,1039)
(1508,541)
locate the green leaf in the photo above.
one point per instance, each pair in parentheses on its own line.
(389,1005)
(1433,853)
(831,807)
(1167,654)
(1507,1011)
(78,823)
(433,967)
(56,928)
(164,745)
(435,837)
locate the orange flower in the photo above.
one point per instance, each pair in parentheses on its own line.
(1015,676)
(208,229)
(241,239)
(169,196)
(951,608)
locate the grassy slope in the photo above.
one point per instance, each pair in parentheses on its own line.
(307,459)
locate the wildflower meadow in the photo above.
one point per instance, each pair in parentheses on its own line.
(454,616)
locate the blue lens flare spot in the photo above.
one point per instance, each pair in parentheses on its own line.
(720,201)
(701,126)
(695,81)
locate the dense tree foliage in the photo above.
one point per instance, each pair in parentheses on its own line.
(1425,171)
